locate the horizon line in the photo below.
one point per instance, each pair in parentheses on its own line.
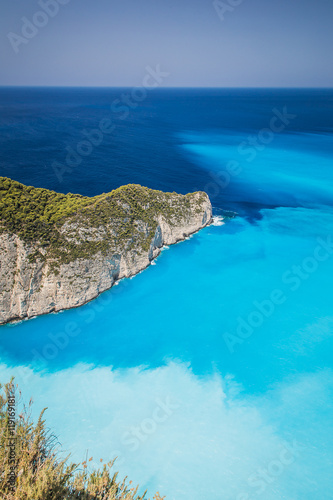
(168,88)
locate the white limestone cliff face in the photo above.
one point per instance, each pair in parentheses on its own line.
(29,289)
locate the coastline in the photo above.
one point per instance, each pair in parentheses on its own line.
(74,284)
(154,252)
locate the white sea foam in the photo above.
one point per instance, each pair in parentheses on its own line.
(218,220)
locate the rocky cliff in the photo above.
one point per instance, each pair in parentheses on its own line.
(60,251)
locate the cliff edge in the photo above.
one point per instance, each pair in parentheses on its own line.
(60,251)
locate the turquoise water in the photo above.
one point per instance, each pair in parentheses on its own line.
(210,373)
(162,335)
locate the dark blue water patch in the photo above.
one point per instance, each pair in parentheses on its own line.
(38,124)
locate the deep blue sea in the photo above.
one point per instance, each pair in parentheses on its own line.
(210,374)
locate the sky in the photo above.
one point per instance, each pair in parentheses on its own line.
(194,43)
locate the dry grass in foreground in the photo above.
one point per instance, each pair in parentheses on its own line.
(31,467)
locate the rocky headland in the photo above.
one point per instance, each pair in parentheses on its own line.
(60,251)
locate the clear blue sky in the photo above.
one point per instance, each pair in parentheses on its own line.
(271,43)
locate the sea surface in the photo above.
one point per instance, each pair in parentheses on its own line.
(210,374)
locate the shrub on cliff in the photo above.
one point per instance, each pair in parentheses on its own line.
(31,467)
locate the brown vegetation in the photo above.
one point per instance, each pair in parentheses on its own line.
(40,473)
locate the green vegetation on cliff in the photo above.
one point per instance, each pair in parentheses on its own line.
(69,226)
(32,468)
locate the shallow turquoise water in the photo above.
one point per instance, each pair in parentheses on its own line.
(184,306)
(235,404)
(210,373)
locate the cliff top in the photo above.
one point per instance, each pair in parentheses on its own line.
(68,226)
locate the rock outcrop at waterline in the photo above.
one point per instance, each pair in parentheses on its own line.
(60,251)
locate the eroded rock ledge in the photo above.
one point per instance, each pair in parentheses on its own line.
(60,251)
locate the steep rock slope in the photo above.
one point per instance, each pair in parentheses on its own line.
(60,251)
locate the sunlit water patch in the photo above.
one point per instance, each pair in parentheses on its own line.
(292,170)
(235,347)
(194,437)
